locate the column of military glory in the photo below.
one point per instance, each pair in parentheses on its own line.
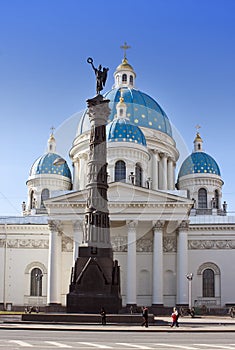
(95,278)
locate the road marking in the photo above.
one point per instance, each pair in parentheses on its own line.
(216,346)
(59,345)
(21,343)
(177,346)
(134,345)
(96,345)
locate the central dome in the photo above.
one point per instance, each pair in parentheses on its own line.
(142,110)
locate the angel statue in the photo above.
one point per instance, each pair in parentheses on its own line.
(101,75)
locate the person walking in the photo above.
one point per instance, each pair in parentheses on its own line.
(145,314)
(175,317)
(103,316)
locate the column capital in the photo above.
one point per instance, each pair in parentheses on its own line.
(55,226)
(184,225)
(158,225)
(171,159)
(155,150)
(164,155)
(132,224)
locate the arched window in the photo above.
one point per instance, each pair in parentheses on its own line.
(131,79)
(217,199)
(202,198)
(138,175)
(120,171)
(124,78)
(44,196)
(208,283)
(36,282)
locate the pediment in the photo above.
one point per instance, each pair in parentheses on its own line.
(119,192)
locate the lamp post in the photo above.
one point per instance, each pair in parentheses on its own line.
(189,277)
(39,277)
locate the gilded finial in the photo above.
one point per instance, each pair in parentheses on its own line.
(121,99)
(198,136)
(125,47)
(52,133)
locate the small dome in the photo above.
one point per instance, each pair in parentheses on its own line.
(44,165)
(199,163)
(121,130)
(142,110)
(125,66)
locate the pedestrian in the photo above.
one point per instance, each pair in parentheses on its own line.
(175,317)
(103,316)
(145,314)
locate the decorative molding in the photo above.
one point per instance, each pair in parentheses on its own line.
(211,244)
(213,227)
(119,244)
(2,243)
(35,264)
(169,244)
(144,245)
(28,243)
(208,265)
(67,244)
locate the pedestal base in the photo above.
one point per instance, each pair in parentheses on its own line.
(95,283)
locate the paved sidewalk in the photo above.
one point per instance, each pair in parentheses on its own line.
(162,324)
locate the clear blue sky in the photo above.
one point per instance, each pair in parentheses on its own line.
(183,52)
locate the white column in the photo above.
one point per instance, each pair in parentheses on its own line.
(111,172)
(78,236)
(155,170)
(182,264)
(164,171)
(54,268)
(131,263)
(157,263)
(82,171)
(170,174)
(76,179)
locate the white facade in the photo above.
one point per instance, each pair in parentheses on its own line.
(159,232)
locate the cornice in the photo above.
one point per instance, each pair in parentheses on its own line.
(212,227)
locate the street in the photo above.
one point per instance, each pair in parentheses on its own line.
(41,339)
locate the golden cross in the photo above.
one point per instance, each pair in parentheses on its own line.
(198,126)
(52,130)
(125,47)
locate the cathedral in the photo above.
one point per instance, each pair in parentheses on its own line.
(170,232)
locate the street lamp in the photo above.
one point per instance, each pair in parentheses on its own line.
(39,277)
(189,277)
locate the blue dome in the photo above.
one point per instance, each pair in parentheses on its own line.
(199,163)
(44,165)
(121,130)
(142,110)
